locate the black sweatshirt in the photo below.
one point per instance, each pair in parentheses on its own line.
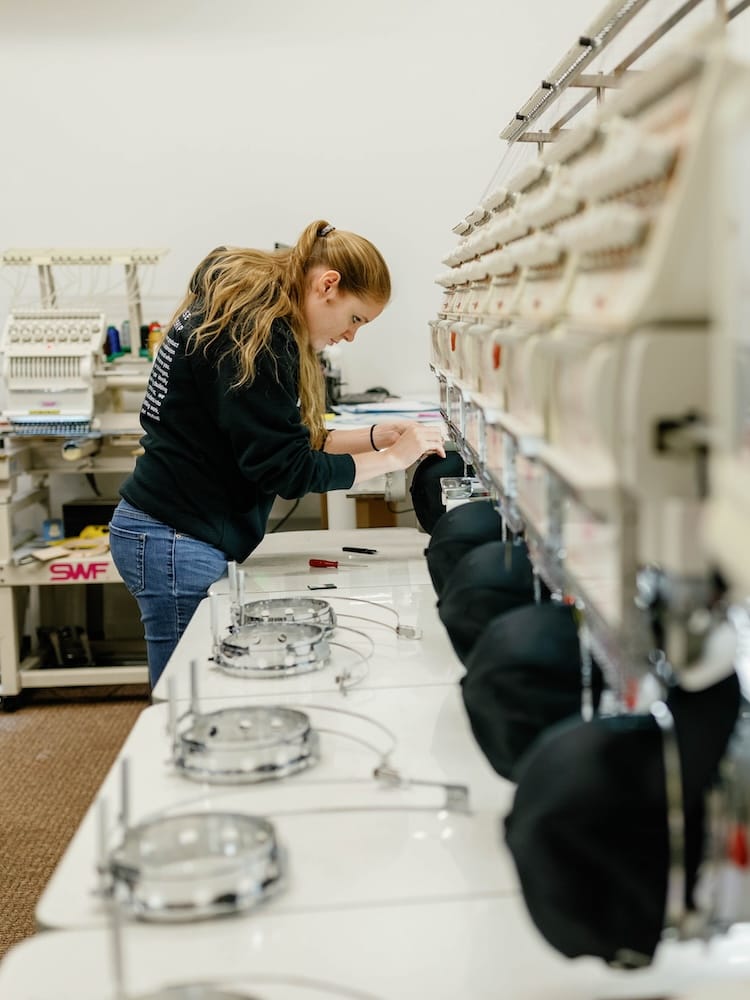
(215,458)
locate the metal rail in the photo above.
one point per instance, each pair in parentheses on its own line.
(569,72)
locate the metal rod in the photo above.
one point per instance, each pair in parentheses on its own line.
(213,607)
(540,137)
(102,849)
(572,112)
(599,80)
(172,709)
(587,668)
(194,705)
(125,793)
(116,942)
(656,34)
(232,571)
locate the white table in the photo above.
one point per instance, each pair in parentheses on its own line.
(396,661)
(389,895)
(479,949)
(281,560)
(433,742)
(395,576)
(350,839)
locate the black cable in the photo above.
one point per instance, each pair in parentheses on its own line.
(91,480)
(286,517)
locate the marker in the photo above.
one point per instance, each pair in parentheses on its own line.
(364,552)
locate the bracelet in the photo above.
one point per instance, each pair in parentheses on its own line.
(372,438)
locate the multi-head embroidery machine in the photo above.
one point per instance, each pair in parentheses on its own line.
(593,361)
(69,404)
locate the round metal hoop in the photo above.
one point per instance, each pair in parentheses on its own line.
(247,744)
(273,650)
(181,868)
(299,610)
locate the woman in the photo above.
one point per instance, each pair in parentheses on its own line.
(234,417)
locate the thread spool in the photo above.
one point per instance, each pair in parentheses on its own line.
(154,339)
(113,340)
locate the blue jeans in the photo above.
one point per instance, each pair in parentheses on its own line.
(168,573)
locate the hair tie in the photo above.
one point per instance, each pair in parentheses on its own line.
(326,230)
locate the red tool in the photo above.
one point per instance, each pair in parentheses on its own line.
(331,563)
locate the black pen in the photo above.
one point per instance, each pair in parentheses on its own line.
(364,552)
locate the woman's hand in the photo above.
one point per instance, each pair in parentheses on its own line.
(389,431)
(412,443)
(415,441)
(356,441)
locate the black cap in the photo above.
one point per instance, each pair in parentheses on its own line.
(457,532)
(523,676)
(488,580)
(588,828)
(425,489)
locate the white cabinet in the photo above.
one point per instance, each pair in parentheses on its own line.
(31,473)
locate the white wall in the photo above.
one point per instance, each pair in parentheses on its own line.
(188,123)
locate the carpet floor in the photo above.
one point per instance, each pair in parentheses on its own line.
(54,754)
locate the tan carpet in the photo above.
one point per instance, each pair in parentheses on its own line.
(54,754)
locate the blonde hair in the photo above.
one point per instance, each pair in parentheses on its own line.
(238,293)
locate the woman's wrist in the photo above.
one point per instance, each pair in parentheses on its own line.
(371,464)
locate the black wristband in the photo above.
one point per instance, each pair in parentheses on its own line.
(372,438)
